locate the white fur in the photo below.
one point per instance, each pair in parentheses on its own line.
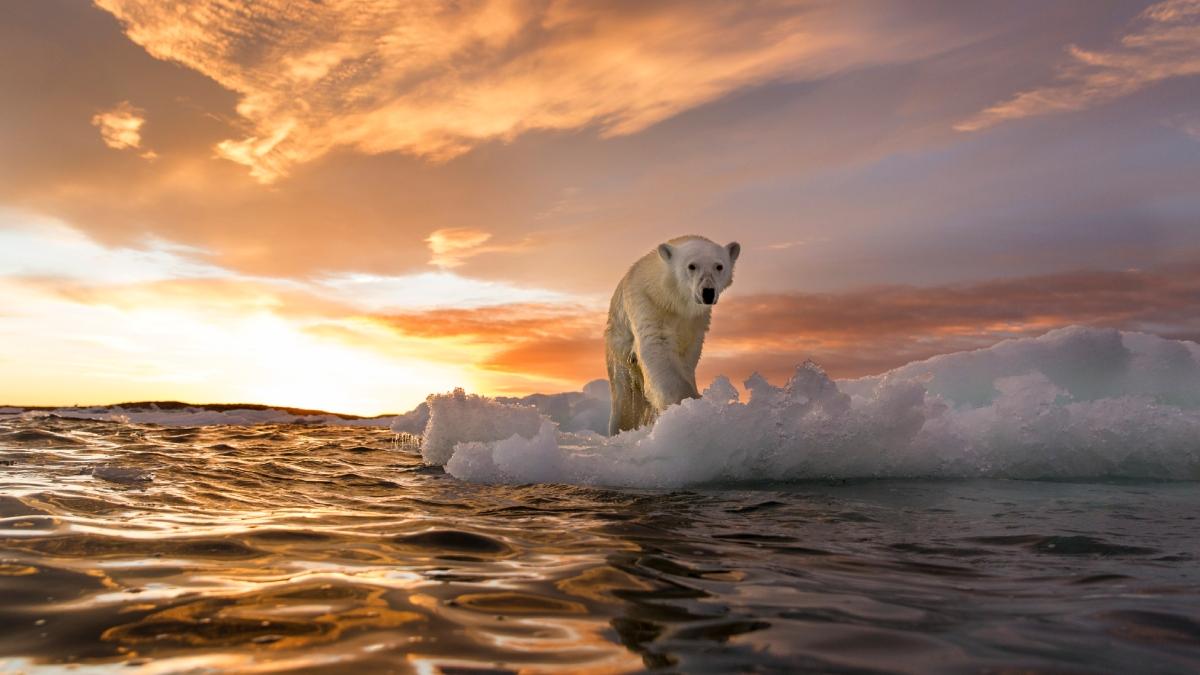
(656,326)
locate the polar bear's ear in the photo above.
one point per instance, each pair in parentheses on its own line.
(665,251)
(735,249)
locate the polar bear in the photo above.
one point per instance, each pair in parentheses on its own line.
(656,325)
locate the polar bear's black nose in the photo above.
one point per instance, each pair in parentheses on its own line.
(708,295)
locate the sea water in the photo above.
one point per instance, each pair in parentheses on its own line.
(1027,508)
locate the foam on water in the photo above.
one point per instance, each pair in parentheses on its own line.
(1075,403)
(459,417)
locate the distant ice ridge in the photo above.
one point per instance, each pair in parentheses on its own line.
(1074,403)
(573,411)
(198,416)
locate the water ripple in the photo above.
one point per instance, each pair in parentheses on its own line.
(323,549)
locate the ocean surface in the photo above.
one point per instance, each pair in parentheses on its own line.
(129,548)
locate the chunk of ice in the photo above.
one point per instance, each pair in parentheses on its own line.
(1072,404)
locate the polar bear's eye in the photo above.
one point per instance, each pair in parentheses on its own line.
(720,267)
(692,267)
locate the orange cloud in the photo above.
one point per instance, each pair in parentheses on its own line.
(867,331)
(297,344)
(1165,44)
(451,246)
(121,127)
(498,323)
(198,296)
(853,333)
(433,79)
(573,361)
(524,346)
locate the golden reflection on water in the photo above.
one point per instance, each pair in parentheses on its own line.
(327,550)
(263,549)
(600,584)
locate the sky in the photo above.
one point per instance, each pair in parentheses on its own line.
(350,205)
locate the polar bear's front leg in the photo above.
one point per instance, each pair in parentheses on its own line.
(691,358)
(666,379)
(628,404)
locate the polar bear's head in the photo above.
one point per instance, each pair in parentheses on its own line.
(701,267)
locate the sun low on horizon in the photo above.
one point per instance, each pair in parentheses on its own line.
(347,206)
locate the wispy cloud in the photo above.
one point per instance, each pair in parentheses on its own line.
(1188,124)
(162,311)
(44,247)
(66,259)
(435,79)
(851,333)
(526,346)
(867,331)
(1163,43)
(451,246)
(426,290)
(121,127)
(785,245)
(179,326)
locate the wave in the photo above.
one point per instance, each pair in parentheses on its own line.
(1075,403)
(199,416)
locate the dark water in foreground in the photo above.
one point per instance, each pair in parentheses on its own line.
(323,549)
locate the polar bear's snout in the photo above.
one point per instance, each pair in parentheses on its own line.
(707,284)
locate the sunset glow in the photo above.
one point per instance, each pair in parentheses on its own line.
(350,205)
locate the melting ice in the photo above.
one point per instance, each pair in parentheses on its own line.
(1072,404)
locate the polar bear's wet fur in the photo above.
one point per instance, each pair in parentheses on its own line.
(656,325)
